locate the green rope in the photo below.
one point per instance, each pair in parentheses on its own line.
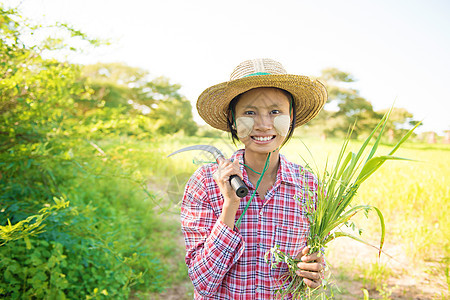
(251,169)
(266,166)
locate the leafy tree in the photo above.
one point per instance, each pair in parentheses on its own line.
(172,113)
(400,121)
(354,111)
(156,101)
(112,85)
(352,108)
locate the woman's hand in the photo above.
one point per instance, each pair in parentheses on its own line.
(231,201)
(311,268)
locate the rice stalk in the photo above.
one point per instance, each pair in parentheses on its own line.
(330,207)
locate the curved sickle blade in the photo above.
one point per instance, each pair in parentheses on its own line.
(211,149)
(235,181)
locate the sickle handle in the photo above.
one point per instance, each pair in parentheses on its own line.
(236,182)
(239,186)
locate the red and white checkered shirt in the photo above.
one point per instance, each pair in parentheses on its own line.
(226,263)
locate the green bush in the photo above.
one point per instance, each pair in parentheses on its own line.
(108,240)
(98,243)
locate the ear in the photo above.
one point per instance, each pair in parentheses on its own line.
(233,125)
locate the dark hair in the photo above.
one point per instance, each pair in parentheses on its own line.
(232,113)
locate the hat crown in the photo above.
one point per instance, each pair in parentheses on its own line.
(262,66)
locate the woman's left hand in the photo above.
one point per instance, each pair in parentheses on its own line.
(311,268)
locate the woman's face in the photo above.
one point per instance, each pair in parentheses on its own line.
(262,119)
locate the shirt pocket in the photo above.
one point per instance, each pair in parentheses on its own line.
(290,240)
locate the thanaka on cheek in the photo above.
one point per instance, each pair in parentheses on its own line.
(281,124)
(244,126)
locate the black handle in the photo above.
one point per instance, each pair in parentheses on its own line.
(239,186)
(235,181)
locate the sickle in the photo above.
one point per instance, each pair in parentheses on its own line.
(235,181)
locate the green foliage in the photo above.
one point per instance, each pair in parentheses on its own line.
(351,109)
(155,104)
(32,225)
(52,120)
(336,75)
(375,276)
(400,121)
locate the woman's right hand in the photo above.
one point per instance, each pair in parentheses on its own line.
(231,200)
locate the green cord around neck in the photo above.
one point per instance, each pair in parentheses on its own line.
(266,166)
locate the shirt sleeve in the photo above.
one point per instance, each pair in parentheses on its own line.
(212,248)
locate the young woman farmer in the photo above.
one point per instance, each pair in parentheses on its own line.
(225,240)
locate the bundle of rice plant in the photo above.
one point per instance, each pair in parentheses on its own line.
(330,207)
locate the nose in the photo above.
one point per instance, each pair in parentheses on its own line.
(264,122)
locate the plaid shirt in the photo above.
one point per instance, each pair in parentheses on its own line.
(226,263)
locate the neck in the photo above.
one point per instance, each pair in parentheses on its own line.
(256,161)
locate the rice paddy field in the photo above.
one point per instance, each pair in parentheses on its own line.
(414,197)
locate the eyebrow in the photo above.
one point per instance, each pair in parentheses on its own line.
(254,107)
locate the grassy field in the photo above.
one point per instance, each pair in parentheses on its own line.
(414,197)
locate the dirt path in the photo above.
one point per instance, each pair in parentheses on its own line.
(357,266)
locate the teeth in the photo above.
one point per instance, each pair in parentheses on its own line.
(263,139)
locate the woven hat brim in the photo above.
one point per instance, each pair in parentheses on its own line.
(309,96)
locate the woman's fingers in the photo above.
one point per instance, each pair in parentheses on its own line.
(311,279)
(315,257)
(222,177)
(226,169)
(316,276)
(315,267)
(311,267)
(311,283)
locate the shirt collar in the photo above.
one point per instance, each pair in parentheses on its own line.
(286,170)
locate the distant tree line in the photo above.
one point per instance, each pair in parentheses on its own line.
(350,110)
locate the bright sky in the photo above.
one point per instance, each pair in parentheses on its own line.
(395,49)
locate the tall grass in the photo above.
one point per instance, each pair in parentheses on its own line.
(414,198)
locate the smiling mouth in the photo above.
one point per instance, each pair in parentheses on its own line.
(263,138)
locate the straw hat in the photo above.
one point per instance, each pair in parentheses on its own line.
(309,95)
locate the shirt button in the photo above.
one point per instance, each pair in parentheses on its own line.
(258,290)
(261,213)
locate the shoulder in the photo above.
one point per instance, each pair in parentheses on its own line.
(197,189)
(203,174)
(298,173)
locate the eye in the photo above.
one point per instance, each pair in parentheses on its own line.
(249,112)
(275,112)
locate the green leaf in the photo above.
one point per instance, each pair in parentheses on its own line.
(372,165)
(404,138)
(383,228)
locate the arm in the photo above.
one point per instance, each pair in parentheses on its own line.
(212,246)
